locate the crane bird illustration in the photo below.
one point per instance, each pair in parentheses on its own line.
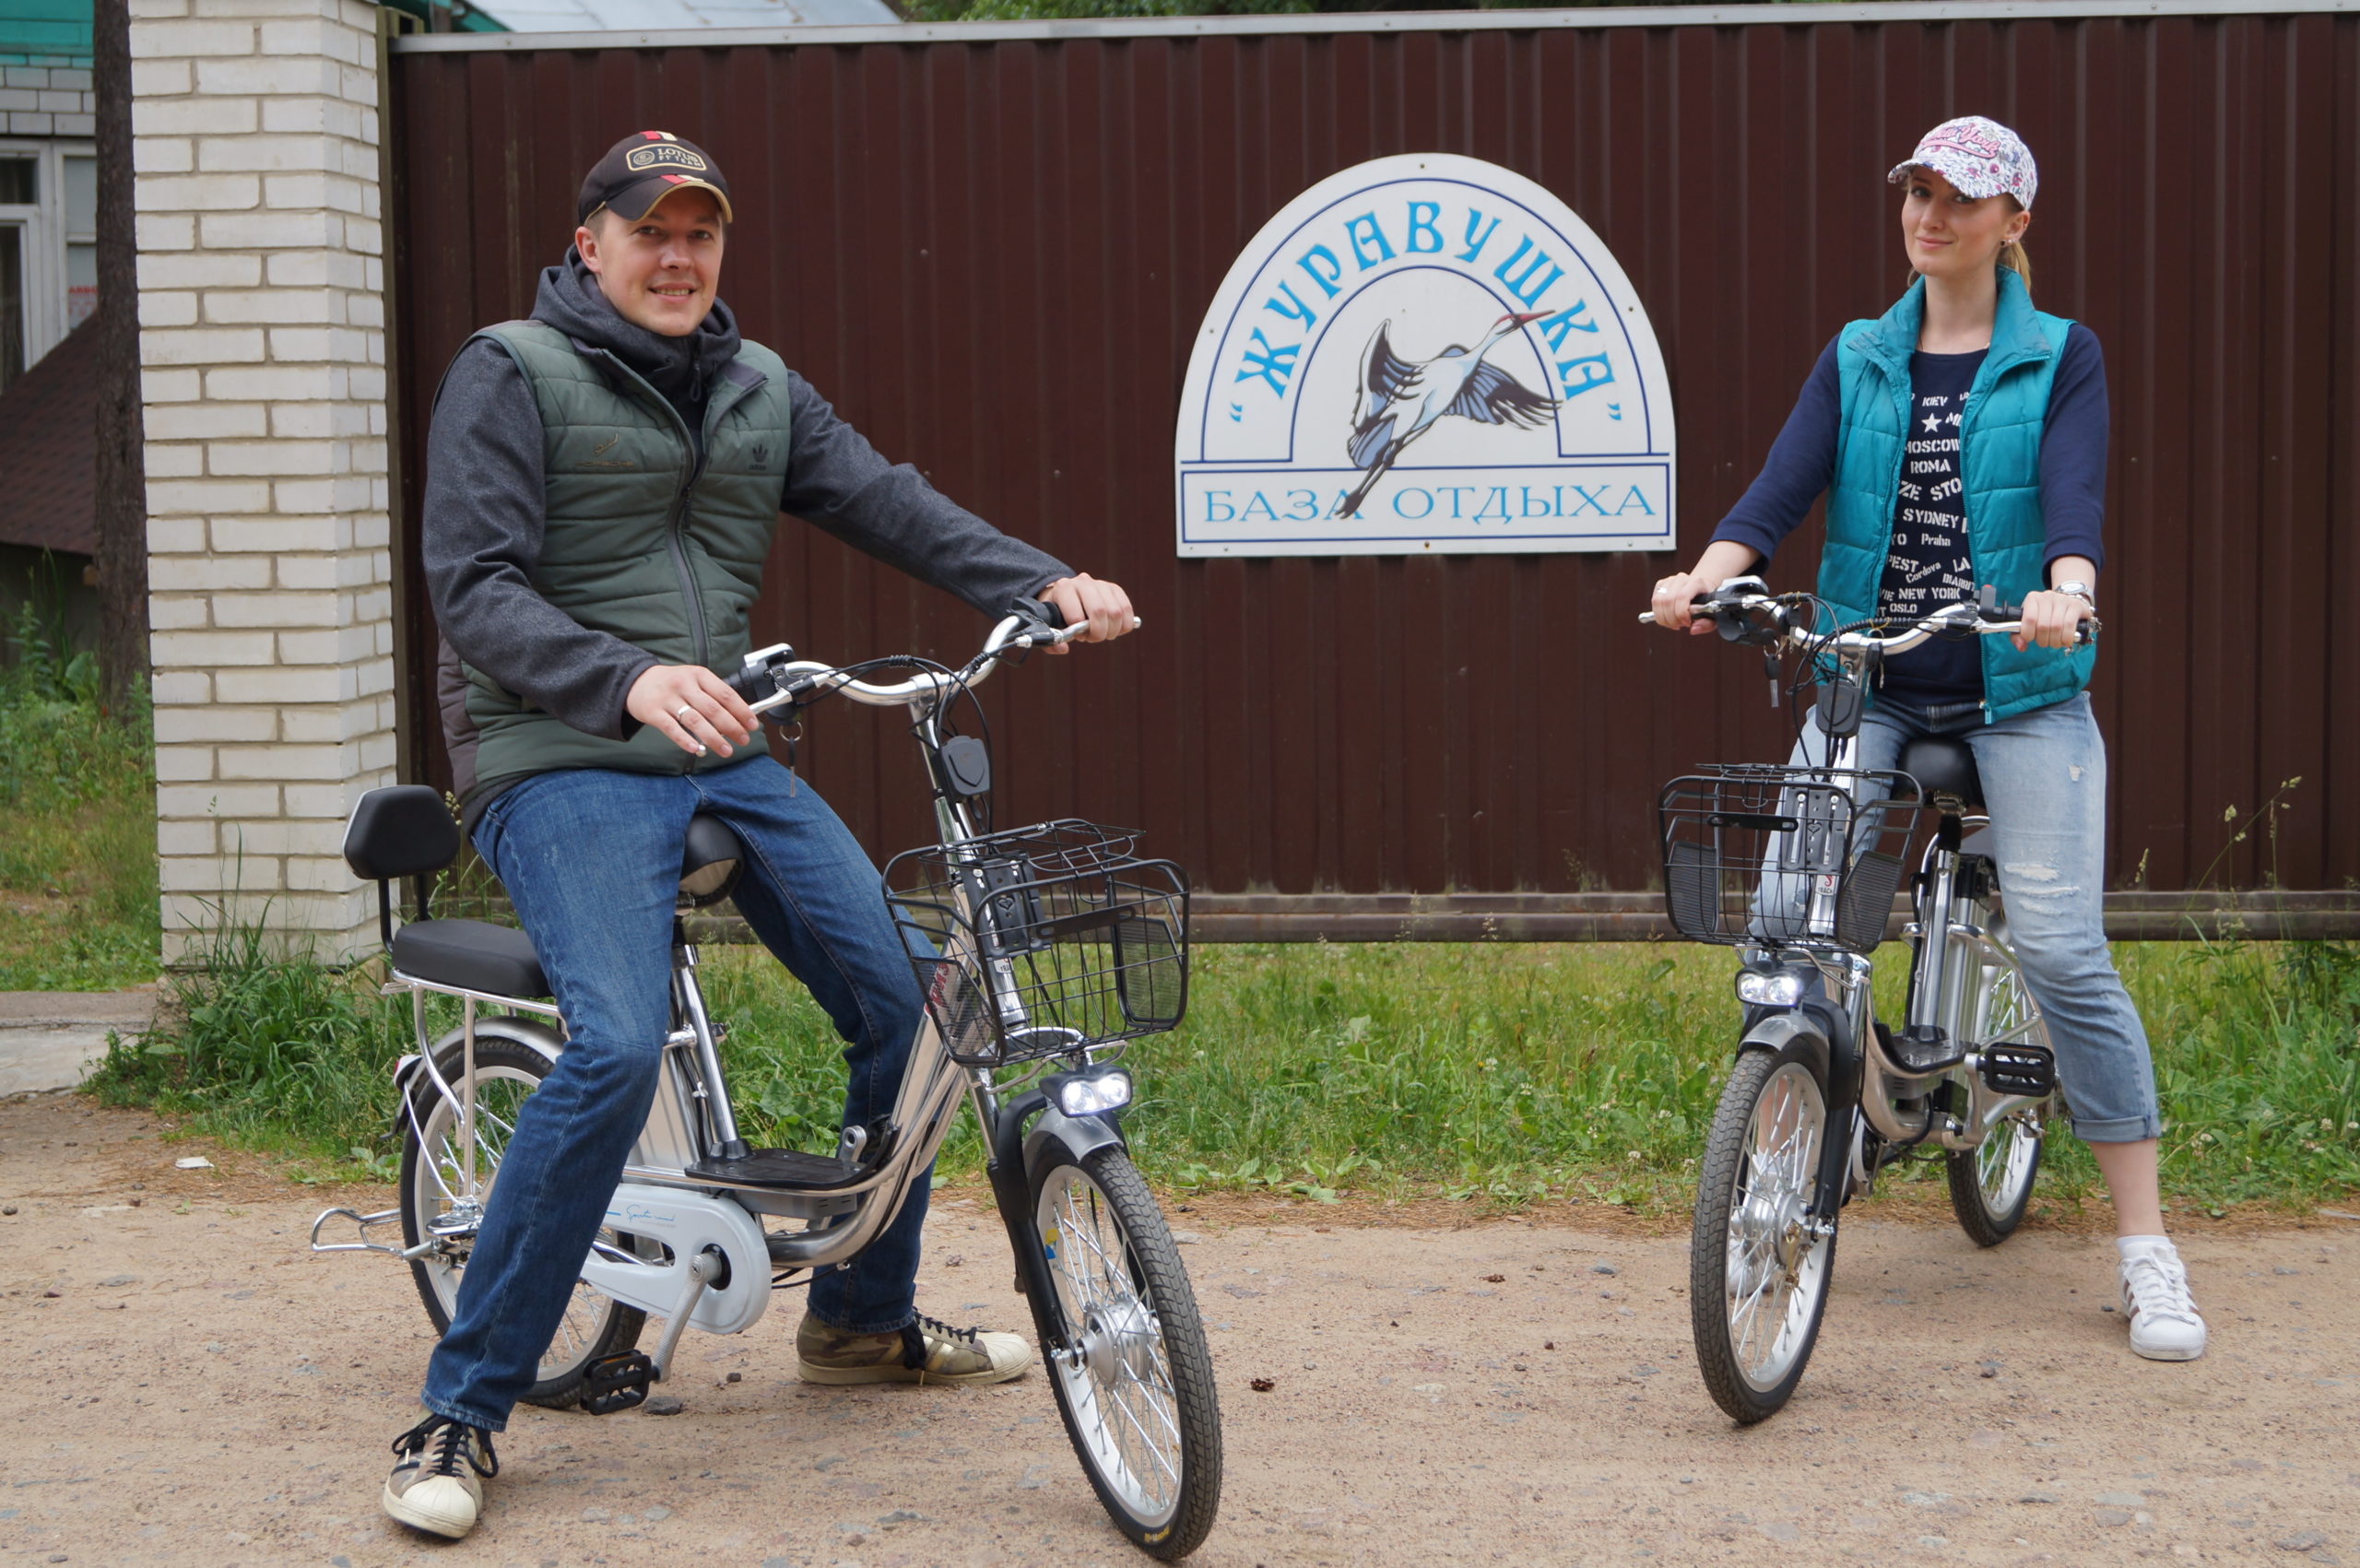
(1400,401)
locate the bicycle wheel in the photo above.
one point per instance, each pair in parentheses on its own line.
(434,1185)
(1757,1275)
(1135,1385)
(1991,1184)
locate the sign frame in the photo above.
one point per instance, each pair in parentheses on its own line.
(1270,335)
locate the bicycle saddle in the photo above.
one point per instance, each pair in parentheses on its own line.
(478,955)
(406,831)
(710,861)
(1944,766)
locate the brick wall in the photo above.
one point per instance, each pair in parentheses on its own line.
(262,342)
(46,96)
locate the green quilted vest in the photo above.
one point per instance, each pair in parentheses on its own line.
(641,540)
(2000,466)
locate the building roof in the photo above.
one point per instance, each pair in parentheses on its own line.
(49,450)
(642,16)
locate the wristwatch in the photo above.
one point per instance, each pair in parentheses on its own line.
(2081,591)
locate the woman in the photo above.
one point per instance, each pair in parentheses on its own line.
(1962,440)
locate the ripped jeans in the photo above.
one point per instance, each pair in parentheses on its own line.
(2043,784)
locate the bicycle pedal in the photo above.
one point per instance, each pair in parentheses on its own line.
(615,1382)
(2018,1069)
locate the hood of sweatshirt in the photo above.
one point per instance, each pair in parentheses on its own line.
(682,369)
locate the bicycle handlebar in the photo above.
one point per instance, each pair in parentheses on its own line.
(1988,618)
(774,677)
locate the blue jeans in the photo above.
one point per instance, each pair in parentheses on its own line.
(591,860)
(2044,785)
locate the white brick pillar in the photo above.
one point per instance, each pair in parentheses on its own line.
(263,347)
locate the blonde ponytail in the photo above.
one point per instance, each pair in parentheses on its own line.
(2013,255)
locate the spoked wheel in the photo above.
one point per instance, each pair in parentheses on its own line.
(1758,1269)
(1135,1382)
(1991,1184)
(436,1195)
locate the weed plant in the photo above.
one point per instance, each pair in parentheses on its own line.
(264,1047)
(77,818)
(1504,1073)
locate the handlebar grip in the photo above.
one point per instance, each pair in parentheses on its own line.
(1041,610)
(1701,606)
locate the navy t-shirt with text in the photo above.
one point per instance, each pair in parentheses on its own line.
(1928,565)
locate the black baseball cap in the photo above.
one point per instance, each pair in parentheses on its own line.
(641,170)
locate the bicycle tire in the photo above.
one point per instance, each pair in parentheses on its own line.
(1135,1327)
(1744,1207)
(1991,1185)
(596,1326)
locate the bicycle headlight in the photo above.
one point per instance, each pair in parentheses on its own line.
(1093,1094)
(1777,988)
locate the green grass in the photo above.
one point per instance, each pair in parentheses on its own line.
(78,822)
(1502,1073)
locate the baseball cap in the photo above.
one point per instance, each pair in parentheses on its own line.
(641,170)
(1979,157)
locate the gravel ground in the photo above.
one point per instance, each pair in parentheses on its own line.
(194,1388)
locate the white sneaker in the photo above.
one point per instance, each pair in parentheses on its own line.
(2164,1323)
(437,1485)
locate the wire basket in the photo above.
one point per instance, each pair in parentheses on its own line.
(1804,856)
(1042,940)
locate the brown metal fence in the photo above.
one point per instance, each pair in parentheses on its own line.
(991,247)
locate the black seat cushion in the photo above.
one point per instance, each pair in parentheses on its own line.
(471,954)
(1944,765)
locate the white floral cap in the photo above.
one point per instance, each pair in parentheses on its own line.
(1980,157)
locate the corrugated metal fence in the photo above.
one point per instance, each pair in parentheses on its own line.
(991,247)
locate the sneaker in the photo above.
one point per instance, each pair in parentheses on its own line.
(437,1485)
(2164,1323)
(925,1352)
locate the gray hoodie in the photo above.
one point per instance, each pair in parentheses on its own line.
(484,517)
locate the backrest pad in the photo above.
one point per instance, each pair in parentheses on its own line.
(403,830)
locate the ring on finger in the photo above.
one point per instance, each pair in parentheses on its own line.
(685,712)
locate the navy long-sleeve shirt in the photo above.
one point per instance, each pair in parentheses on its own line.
(1801,464)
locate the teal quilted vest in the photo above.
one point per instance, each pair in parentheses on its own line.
(2000,466)
(641,540)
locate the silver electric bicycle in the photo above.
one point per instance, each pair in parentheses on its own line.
(1797,866)
(1040,953)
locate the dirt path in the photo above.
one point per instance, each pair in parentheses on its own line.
(193,1387)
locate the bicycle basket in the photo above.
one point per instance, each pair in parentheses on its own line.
(1809,856)
(1042,940)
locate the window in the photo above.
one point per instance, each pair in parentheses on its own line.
(81,237)
(49,251)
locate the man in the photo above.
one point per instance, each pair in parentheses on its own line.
(603,484)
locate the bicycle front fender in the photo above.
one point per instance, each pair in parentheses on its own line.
(1080,1135)
(1835,1059)
(1795,1028)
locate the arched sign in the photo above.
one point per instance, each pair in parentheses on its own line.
(1422,353)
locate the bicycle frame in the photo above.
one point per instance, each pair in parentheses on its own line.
(693,1213)
(1948,947)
